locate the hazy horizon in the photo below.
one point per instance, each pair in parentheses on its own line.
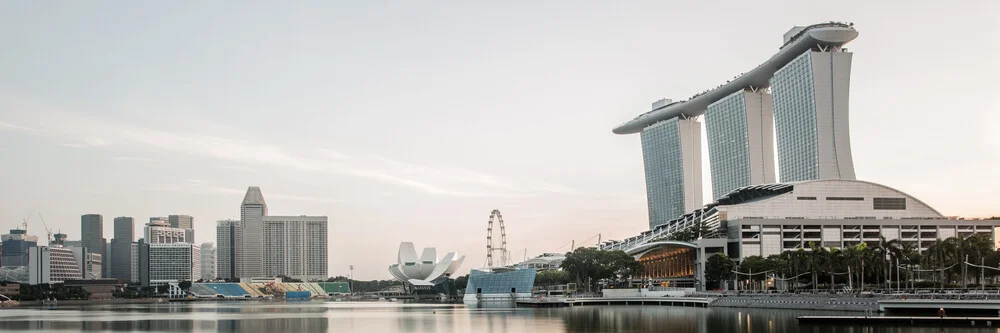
(412,121)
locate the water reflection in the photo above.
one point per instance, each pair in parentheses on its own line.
(395,317)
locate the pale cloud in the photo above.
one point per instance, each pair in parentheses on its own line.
(133,159)
(77,131)
(16,127)
(239,168)
(197,186)
(333,154)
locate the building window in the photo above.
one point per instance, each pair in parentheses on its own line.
(845,198)
(806,198)
(889,203)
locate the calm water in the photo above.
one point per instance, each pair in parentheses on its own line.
(396,317)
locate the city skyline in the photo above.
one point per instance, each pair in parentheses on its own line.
(392,145)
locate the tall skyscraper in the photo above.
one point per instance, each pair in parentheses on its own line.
(811,116)
(162,233)
(295,246)
(252,212)
(15,248)
(181,221)
(740,141)
(120,261)
(228,237)
(92,233)
(671,156)
(208,256)
(808,78)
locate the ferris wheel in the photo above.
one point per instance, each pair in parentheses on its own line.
(504,255)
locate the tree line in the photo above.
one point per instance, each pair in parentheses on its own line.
(882,264)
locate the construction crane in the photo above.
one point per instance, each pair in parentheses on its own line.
(47,230)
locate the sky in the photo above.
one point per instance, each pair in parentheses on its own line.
(411,121)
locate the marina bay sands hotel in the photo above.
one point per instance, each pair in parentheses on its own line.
(812,198)
(800,93)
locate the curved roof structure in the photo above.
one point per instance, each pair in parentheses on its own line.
(825,34)
(642,249)
(425,270)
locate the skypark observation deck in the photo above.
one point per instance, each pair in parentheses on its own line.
(823,36)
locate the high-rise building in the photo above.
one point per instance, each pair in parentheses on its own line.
(162,233)
(183,222)
(119,260)
(15,247)
(252,212)
(740,141)
(811,116)
(295,246)
(671,156)
(228,236)
(52,264)
(91,264)
(164,263)
(92,233)
(808,79)
(134,264)
(207,261)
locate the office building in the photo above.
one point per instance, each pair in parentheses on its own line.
(183,222)
(252,212)
(228,236)
(160,232)
(207,261)
(92,233)
(740,141)
(52,264)
(134,264)
(671,156)
(15,247)
(808,80)
(295,246)
(163,263)
(119,259)
(811,116)
(91,264)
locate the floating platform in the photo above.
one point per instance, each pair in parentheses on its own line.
(900,321)
(657,301)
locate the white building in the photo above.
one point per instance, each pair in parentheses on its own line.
(53,264)
(207,261)
(252,212)
(295,246)
(228,236)
(90,263)
(173,263)
(764,220)
(157,232)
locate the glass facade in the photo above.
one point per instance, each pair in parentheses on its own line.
(792,88)
(663,161)
(728,144)
(516,281)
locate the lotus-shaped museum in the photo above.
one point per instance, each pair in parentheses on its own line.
(425,270)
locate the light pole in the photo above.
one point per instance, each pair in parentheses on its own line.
(350,281)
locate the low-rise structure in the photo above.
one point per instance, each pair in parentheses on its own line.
(764,220)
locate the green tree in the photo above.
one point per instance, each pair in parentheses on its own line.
(589,266)
(719,267)
(552,277)
(462,281)
(755,265)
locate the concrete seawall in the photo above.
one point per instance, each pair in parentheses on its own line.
(799,302)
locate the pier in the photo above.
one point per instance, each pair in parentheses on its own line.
(900,321)
(658,301)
